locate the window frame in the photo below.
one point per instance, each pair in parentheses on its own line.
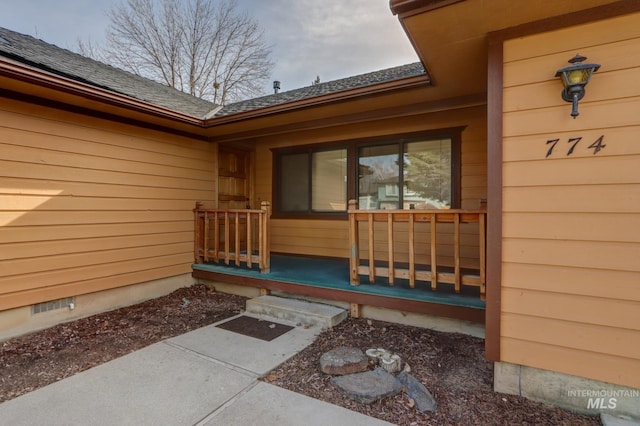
(352,146)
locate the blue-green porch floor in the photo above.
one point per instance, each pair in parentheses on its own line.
(334,274)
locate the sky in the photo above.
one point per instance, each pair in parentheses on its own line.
(331,39)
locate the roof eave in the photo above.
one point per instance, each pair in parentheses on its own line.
(19,71)
(375,89)
(405,8)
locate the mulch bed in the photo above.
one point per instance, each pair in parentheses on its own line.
(38,359)
(452,366)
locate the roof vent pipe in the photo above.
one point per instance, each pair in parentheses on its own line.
(276,86)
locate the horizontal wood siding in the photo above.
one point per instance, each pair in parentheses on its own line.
(571,222)
(89,205)
(330,237)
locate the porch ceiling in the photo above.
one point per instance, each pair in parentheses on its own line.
(450,36)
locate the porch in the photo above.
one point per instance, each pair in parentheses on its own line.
(329,279)
(223,236)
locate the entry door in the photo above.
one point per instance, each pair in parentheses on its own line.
(234,192)
(234,177)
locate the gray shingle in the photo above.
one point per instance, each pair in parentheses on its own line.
(48,57)
(329,87)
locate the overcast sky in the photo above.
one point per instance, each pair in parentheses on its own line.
(329,38)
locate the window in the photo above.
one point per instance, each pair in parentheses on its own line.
(313,182)
(411,172)
(424,174)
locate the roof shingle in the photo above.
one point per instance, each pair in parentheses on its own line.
(48,57)
(335,86)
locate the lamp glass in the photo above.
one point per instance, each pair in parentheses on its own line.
(578,76)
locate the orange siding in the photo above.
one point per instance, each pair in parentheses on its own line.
(89,205)
(571,222)
(330,237)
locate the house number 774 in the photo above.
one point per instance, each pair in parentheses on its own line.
(573,143)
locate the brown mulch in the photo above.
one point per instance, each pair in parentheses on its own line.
(452,366)
(38,359)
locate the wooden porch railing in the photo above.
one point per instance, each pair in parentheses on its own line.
(411,273)
(233,235)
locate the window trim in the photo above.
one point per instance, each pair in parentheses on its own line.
(352,146)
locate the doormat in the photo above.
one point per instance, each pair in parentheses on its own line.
(253,327)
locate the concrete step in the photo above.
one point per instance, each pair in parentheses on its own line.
(297,311)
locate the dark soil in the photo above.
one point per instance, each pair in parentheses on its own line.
(452,366)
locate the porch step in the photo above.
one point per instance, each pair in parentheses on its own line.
(297,311)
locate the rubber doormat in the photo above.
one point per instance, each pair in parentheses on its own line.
(253,327)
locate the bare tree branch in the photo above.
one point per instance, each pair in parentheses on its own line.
(202,47)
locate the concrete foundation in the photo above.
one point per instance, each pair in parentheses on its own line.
(566,391)
(20,321)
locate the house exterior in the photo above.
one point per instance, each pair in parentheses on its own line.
(101,171)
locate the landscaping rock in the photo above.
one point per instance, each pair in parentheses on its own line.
(369,386)
(343,360)
(418,392)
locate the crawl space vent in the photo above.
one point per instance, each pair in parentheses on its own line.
(52,305)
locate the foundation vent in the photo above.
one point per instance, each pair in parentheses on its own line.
(53,305)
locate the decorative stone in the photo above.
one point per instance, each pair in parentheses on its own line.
(368,387)
(375,353)
(391,363)
(386,359)
(418,392)
(343,360)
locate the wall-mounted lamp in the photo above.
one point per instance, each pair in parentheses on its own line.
(574,78)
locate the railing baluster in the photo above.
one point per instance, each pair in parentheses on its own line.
(456,250)
(434,257)
(372,266)
(354,245)
(249,242)
(216,236)
(227,251)
(390,247)
(483,249)
(237,237)
(206,237)
(197,230)
(264,236)
(412,253)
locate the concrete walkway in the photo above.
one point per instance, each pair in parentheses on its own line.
(206,377)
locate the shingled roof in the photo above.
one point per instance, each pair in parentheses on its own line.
(51,58)
(329,87)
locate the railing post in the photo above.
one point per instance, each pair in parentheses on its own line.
(456,251)
(265,256)
(354,249)
(392,272)
(483,254)
(197,233)
(434,256)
